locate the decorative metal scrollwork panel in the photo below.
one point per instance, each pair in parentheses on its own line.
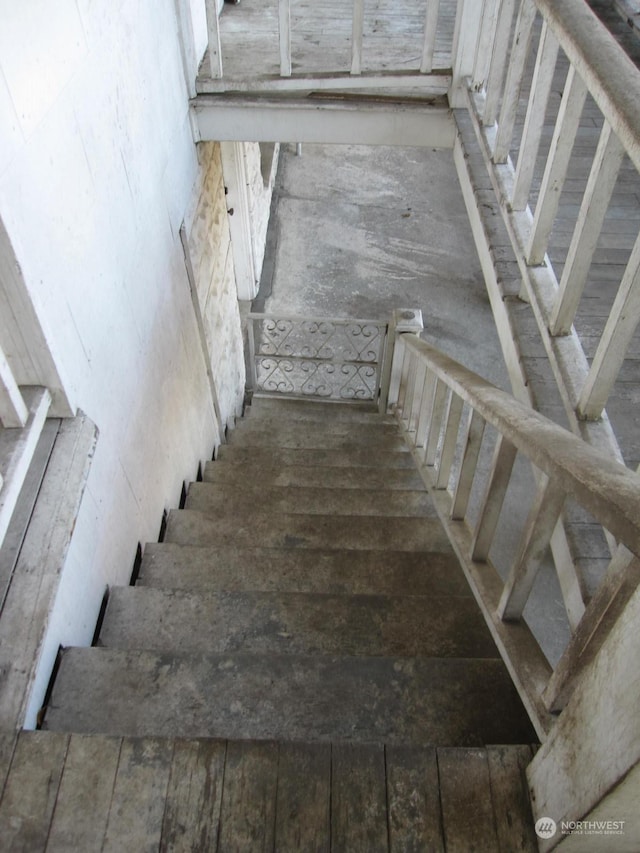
(333,359)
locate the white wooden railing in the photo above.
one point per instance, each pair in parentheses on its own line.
(444,410)
(577,54)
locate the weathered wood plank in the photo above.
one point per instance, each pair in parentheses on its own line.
(513,85)
(31,790)
(84,796)
(247,819)
(504,456)
(465,794)
(466,475)
(139,792)
(194,796)
(303,811)
(597,195)
(543,517)
(510,795)
(534,121)
(358,799)
(566,127)
(608,602)
(413,796)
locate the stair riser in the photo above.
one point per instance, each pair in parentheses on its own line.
(187,527)
(317,440)
(210,500)
(286,570)
(268,623)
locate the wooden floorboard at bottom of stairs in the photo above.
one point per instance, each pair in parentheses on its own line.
(93,793)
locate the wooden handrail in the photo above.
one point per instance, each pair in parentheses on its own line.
(604,487)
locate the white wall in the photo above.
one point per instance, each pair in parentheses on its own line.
(97,171)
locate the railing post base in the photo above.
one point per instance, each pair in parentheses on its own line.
(404,321)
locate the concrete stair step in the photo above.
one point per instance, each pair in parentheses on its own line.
(346,457)
(294,623)
(224,472)
(233,568)
(99,792)
(313,436)
(288,530)
(241,499)
(444,701)
(329,426)
(314,409)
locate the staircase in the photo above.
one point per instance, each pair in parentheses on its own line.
(300,665)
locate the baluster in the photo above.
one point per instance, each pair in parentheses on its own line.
(253,374)
(356,37)
(435,422)
(430,29)
(468,465)
(595,202)
(465,37)
(213,29)
(534,121)
(407,408)
(618,585)
(504,456)
(452,425)
(515,75)
(536,537)
(618,332)
(498,65)
(564,134)
(404,375)
(428,390)
(484,46)
(284,21)
(13,410)
(416,397)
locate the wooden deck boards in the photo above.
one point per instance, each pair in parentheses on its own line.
(90,793)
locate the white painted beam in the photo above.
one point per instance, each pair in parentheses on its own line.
(322,122)
(13,411)
(432,85)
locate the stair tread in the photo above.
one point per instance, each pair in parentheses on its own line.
(334,408)
(281,410)
(310,436)
(188,526)
(284,425)
(210,498)
(191,794)
(225,471)
(456,702)
(347,457)
(295,623)
(301,570)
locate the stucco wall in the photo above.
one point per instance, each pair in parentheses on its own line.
(98,170)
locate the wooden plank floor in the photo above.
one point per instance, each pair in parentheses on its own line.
(78,792)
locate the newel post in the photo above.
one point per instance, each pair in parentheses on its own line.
(465,39)
(404,321)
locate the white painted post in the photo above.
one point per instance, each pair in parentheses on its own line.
(284,21)
(472,445)
(13,410)
(498,65)
(595,201)
(356,37)
(452,425)
(618,332)
(236,181)
(504,456)
(213,29)
(465,37)
(484,46)
(430,28)
(405,321)
(534,121)
(564,134)
(515,74)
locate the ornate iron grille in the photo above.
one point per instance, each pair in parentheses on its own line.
(330,358)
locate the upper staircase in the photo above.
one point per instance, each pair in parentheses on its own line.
(300,665)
